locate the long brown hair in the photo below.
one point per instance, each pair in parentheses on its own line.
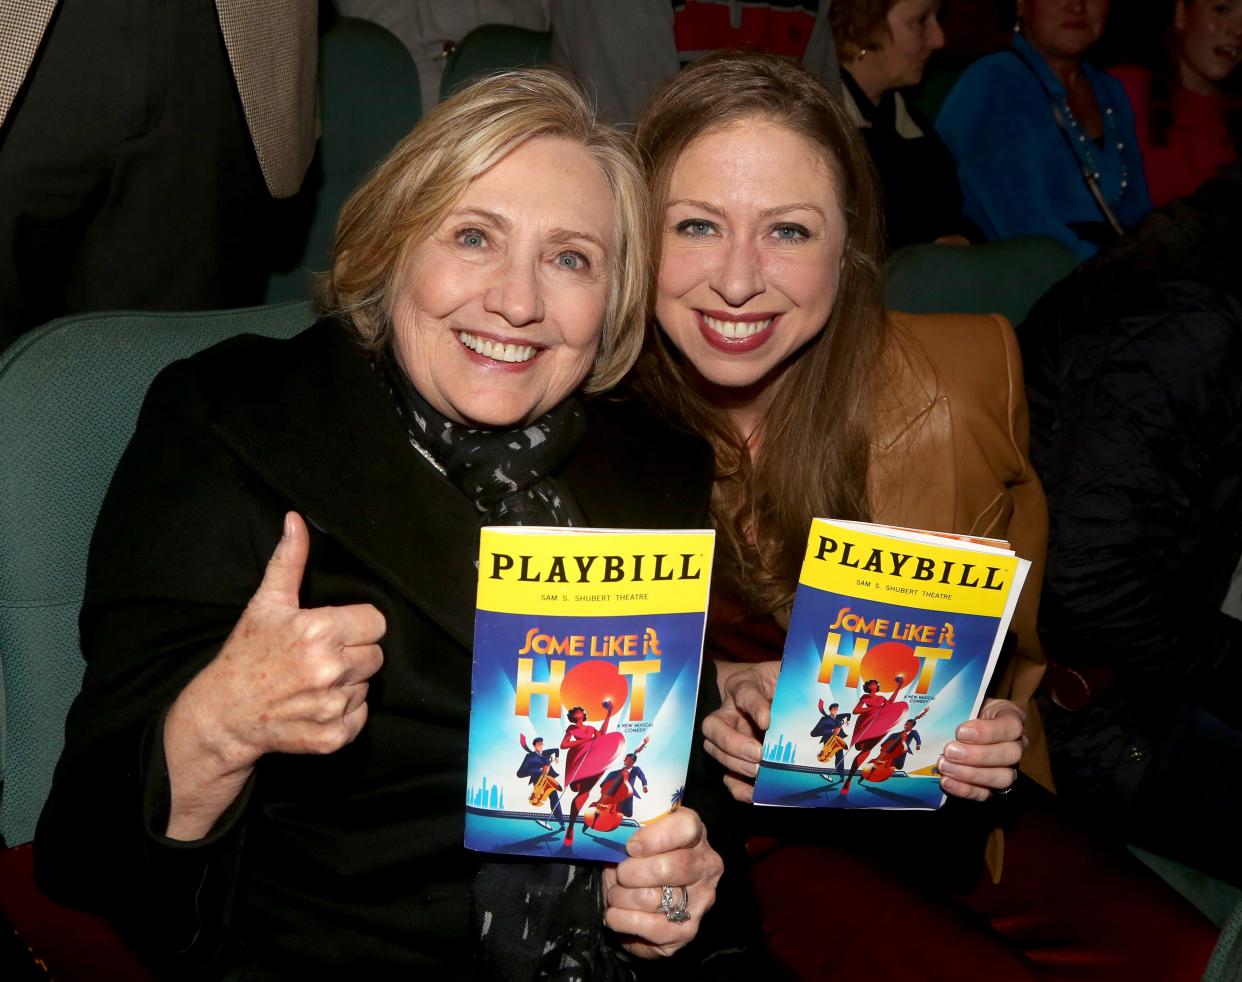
(815,430)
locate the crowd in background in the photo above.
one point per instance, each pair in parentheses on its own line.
(1115,132)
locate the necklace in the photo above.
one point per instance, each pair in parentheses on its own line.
(1086,147)
(427,455)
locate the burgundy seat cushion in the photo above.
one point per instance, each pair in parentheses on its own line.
(68,944)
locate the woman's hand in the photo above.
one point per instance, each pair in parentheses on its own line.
(983,759)
(287,680)
(734,731)
(672,852)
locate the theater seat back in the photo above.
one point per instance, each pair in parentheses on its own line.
(69,396)
(992,278)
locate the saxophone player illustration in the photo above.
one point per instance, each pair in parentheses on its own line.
(537,766)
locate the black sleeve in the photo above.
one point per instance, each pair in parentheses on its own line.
(176,554)
(1136,432)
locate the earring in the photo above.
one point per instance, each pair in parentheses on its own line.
(1017,26)
(862,53)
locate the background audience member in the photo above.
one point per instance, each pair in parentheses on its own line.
(1045,143)
(141,143)
(884,46)
(1134,369)
(1189,125)
(623,52)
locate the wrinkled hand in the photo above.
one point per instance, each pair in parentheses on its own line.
(675,852)
(287,680)
(983,759)
(734,732)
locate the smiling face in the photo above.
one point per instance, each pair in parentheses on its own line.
(751,255)
(1209,41)
(1063,29)
(914,33)
(499,314)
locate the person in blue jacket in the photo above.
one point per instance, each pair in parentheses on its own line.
(1030,125)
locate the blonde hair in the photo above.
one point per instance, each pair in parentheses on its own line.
(407,196)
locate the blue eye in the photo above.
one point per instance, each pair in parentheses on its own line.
(791,233)
(572,261)
(695,227)
(472,238)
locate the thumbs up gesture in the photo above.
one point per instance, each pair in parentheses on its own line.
(288,680)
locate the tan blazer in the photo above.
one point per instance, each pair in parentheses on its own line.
(273,48)
(951,454)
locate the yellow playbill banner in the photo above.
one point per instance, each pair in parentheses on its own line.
(540,571)
(913,571)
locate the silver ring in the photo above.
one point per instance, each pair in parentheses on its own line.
(1012,784)
(678,914)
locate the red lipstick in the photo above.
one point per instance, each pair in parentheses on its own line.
(735,345)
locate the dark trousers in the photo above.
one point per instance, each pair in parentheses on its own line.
(1068,907)
(127,174)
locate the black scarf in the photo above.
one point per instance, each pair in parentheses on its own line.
(506,473)
(533,919)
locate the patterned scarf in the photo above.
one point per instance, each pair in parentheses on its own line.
(504,472)
(533,919)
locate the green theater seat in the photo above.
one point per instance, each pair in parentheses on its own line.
(992,278)
(69,396)
(491,48)
(369,98)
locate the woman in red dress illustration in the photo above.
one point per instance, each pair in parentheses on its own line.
(587,758)
(873,717)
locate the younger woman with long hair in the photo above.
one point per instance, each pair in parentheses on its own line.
(770,338)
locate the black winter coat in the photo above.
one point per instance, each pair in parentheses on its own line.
(352,864)
(1134,377)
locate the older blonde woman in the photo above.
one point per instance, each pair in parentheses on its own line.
(264,774)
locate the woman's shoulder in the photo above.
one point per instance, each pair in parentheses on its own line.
(253,360)
(970,359)
(938,342)
(999,84)
(250,373)
(1001,68)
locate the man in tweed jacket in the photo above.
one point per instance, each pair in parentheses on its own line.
(140,145)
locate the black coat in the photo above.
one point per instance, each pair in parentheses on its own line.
(350,863)
(1134,378)
(1134,373)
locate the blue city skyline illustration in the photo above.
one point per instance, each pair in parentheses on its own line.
(781,752)
(484,797)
